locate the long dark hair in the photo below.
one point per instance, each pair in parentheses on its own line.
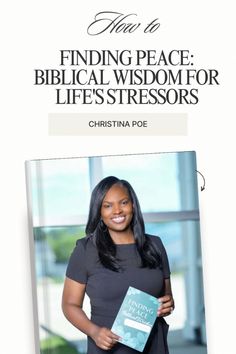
(95,228)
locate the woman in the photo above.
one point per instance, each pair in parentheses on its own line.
(116,254)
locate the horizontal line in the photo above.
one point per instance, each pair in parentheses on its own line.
(171,216)
(137,325)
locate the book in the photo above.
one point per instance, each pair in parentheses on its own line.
(135,319)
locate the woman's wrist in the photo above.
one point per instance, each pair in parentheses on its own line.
(93,329)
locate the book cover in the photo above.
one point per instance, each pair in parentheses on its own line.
(135,319)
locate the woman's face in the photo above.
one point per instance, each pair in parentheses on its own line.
(117,209)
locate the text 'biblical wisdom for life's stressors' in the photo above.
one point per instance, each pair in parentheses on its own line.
(126,77)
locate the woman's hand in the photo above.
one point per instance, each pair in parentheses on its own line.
(166,306)
(104,338)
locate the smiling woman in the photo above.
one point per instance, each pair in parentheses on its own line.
(117,214)
(116,252)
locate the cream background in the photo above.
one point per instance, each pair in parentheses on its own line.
(33,32)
